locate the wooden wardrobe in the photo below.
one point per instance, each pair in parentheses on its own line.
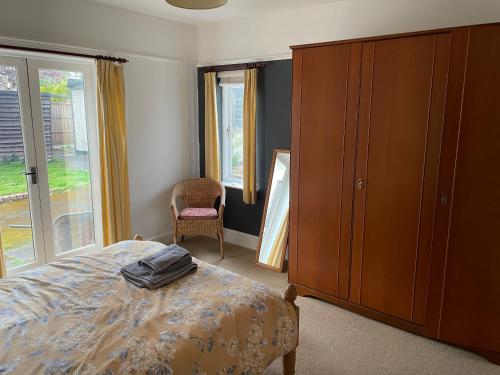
(395,200)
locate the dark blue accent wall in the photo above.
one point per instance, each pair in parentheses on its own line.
(274,90)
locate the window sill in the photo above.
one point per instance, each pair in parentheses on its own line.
(233,185)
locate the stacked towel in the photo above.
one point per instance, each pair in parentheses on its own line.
(160,269)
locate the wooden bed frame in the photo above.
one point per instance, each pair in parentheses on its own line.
(290,296)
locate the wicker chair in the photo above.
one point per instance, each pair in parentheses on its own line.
(197,215)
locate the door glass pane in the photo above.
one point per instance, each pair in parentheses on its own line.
(63,108)
(16,238)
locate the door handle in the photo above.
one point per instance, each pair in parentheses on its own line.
(360,183)
(444,199)
(33,174)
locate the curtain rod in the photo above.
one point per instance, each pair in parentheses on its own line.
(223,68)
(119,60)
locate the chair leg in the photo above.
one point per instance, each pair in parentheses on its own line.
(182,238)
(221,240)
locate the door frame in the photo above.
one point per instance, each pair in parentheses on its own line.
(30,160)
(28,64)
(34,64)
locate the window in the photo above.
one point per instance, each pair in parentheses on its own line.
(232,132)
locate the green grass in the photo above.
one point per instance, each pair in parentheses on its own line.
(61,178)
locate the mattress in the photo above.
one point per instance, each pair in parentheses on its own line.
(80,316)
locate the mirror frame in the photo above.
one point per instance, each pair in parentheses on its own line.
(276,151)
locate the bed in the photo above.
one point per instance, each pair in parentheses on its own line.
(79,316)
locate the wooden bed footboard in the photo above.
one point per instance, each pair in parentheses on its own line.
(289,359)
(290,296)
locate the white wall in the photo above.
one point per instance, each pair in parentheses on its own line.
(160,112)
(269,36)
(160,88)
(83,23)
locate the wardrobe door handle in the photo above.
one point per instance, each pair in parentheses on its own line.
(444,198)
(360,183)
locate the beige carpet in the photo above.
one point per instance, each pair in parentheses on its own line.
(336,341)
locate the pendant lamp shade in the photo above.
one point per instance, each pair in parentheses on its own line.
(197,4)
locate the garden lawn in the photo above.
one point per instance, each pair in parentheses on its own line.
(61,177)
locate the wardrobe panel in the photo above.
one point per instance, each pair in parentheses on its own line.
(452,115)
(349,168)
(361,170)
(293,265)
(321,165)
(471,303)
(395,114)
(431,174)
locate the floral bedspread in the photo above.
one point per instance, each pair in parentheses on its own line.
(80,316)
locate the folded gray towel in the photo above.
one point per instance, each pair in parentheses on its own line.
(140,276)
(160,269)
(162,260)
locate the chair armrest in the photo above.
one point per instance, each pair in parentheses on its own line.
(173,202)
(221,210)
(175,211)
(222,198)
(222,204)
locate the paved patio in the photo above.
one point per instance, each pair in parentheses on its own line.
(15,223)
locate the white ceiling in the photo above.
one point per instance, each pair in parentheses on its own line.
(233,9)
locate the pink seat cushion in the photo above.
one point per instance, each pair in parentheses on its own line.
(198,213)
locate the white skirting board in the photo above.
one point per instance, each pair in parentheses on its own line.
(166,237)
(231,236)
(241,239)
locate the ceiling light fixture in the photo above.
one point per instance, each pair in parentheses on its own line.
(197,4)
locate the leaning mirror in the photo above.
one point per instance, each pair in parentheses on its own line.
(274,228)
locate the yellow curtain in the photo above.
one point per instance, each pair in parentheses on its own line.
(279,243)
(3,266)
(212,150)
(249,147)
(113,152)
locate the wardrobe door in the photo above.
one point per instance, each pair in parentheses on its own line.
(403,89)
(470,301)
(323,145)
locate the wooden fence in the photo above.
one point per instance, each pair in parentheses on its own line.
(57,124)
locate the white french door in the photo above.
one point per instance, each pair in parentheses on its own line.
(49,168)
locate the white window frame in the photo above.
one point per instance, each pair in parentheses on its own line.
(229,80)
